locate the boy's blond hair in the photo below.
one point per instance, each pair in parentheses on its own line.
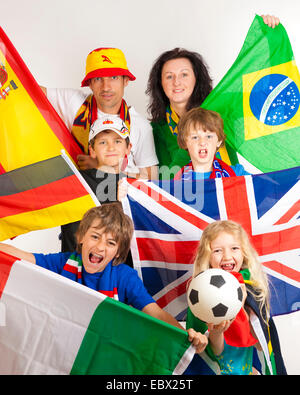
(200,118)
(250,262)
(112,220)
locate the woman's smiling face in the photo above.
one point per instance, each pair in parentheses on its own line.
(178,81)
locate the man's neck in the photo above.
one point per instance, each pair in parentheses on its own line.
(112,110)
(109,110)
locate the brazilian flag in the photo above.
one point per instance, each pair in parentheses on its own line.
(259,99)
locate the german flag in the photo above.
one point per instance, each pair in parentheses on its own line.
(42,195)
(30,128)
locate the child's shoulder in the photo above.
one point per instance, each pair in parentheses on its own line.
(126,269)
(239,170)
(97,175)
(125,272)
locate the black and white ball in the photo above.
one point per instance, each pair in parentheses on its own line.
(214,296)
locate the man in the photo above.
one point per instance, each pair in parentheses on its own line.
(107,75)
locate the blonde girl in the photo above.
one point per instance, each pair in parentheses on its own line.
(225,245)
(208,257)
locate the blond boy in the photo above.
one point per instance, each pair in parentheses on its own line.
(201,133)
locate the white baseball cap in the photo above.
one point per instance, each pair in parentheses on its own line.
(109,123)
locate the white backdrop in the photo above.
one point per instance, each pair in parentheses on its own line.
(54,38)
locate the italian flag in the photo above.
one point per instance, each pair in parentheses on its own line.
(52,325)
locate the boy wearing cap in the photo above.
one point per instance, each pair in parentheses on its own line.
(107,75)
(109,145)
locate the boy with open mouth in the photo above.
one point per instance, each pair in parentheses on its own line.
(103,242)
(201,133)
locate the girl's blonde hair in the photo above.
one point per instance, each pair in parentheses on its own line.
(251,261)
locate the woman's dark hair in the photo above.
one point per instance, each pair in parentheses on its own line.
(158,99)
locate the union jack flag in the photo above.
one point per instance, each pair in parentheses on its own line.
(169,219)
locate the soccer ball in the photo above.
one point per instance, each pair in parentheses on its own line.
(214,296)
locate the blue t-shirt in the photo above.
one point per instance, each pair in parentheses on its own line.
(120,282)
(238,169)
(232,361)
(236,360)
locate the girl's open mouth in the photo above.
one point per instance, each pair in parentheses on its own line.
(228,266)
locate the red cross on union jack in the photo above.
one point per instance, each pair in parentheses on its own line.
(168,229)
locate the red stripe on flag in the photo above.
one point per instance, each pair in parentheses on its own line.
(289,214)
(6,263)
(167,251)
(172,294)
(1,169)
(283,269)
(236,200)
(39,98)
(168,204)
(111,294)
(47,195)
(284,240)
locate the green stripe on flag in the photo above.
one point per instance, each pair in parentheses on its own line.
(122,340)
(259,99)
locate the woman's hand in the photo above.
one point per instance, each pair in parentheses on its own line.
(270,20)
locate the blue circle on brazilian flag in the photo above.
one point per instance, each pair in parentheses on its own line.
(274,99)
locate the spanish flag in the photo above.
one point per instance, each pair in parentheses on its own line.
(30,128)
(41,196)
(259,99)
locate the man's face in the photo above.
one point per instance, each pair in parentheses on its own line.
(109,92)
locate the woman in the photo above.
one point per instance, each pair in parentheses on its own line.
(179,80)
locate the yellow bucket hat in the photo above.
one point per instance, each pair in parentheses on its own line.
(106,62)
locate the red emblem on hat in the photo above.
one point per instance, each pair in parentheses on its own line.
(106,59)
(107,122)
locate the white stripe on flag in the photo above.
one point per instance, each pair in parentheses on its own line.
(185,360)
(261,338)
(45,321)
